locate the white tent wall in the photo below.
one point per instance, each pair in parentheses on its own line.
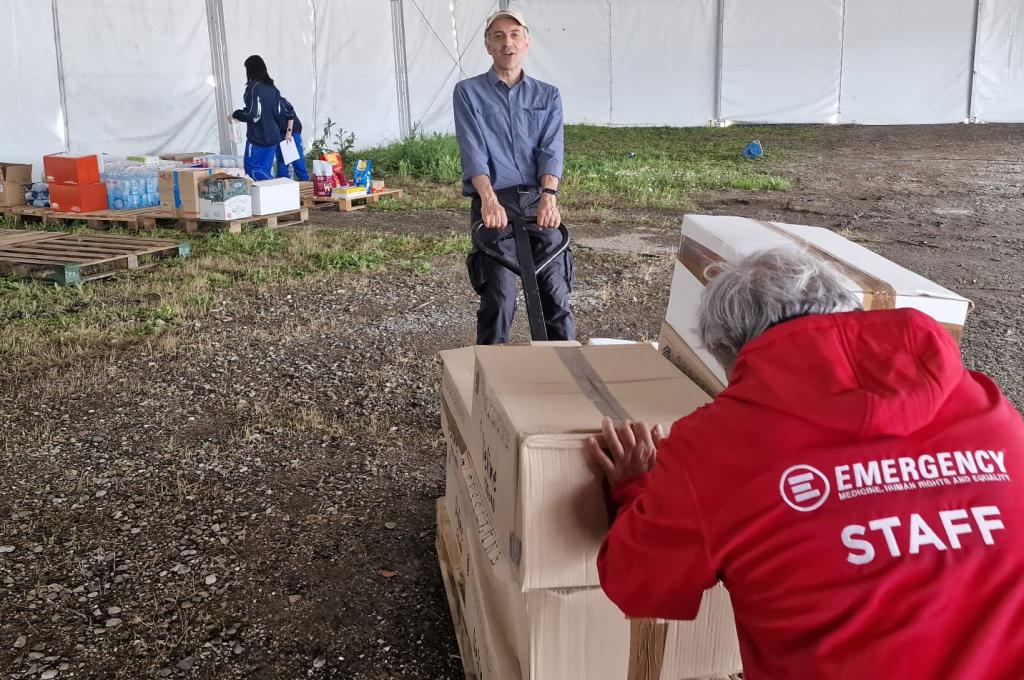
(676,86)
(781,61)
(571,49)
(138,76)
(999,64)
(433,45)
(31,119)
(282,33)
(907,61)
(470,16)
(355,70)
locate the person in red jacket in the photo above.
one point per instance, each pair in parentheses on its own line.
(856,489)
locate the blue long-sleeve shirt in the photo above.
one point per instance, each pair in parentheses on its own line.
(512,134)
(261,114)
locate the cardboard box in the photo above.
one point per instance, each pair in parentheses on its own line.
(574,634)
(78,199)
(234,208)
(74,170)
(880,283)
(14,177)
(685,358)
(350,191)
(454,587)
(274,196)
(534,408)
(179,188)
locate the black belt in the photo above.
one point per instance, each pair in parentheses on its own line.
(519,189)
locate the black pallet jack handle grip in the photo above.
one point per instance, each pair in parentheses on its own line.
(525,268)
(511,265)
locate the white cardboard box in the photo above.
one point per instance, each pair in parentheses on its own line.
(274,196)
(878,282)
(233,208)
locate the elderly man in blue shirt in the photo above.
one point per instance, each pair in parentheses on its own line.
(509,128)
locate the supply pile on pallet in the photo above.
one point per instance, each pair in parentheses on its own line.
(144,192)
(524,516)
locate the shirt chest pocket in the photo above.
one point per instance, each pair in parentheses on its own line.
(534,117)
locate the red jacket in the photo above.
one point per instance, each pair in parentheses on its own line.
(857,490)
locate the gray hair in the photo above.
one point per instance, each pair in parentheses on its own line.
(745,297)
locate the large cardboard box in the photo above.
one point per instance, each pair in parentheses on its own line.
(179,188)
(14,177)
(78,199)
(706,239)
(274,196)
(577,633)
(63,168)
(534,408)
(457,367)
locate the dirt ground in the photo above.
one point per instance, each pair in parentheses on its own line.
(253,496)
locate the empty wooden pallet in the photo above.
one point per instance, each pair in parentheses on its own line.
(75,258)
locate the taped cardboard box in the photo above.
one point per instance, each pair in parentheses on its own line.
(534,408)
(578,633)
(14,177)
(457,367)
(179,188)
(878,282)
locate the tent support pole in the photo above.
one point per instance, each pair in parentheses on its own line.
(401,68)
(60,77)
(842,66)
(719,50)
(219,60)
(971,113)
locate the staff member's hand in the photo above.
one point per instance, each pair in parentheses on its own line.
(493,214)
(548,216)
(627,450)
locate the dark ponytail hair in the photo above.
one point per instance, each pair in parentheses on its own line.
(256,69)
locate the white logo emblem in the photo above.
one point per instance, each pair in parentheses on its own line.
(804,488)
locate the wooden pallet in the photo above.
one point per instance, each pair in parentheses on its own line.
(152,218)
(310,200)
(139,218)
(76,258)
(280,220)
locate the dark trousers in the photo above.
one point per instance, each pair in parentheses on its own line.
(496,285)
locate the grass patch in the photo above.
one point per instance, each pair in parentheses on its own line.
(42,322)
(609,168)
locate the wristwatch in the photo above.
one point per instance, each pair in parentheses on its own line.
(549,190)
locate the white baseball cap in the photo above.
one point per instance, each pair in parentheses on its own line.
(515,16)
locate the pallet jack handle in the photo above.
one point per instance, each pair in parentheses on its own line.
(525,268)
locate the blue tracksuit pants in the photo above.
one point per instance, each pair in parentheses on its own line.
(298,166)
(259,161)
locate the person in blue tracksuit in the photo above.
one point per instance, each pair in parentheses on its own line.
(292,128)
(262,118)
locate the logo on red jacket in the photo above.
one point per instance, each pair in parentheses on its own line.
(804,488)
